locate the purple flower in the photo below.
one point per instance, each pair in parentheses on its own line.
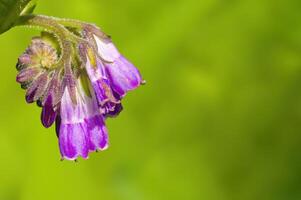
(123,75)
(48,114)
(81,128)
(78,91)
(107,99)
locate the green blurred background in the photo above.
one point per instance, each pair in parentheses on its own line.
(219,118)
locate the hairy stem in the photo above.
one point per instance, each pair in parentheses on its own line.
(52,26)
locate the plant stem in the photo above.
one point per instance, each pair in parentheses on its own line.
(65,37)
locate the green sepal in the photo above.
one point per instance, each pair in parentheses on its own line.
(85,83)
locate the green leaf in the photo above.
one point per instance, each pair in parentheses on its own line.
(10,10)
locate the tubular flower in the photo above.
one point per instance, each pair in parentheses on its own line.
(122,74)
(81,127)
(79,78)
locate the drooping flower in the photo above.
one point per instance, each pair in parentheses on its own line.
(81,127)
(112,75)
(107,100)
(123,75)
(77,88)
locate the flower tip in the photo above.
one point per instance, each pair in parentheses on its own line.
(46,125)
(47,121)
(30,96)
(39,103)
(143,82)
(48,115)
(23,60)
(18,79)
(105,147)
(75,158)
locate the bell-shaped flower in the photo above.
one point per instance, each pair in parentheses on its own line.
(81,127)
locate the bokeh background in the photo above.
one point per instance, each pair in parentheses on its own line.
(219,118)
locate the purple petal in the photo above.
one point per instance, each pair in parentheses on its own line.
(29,97)
(100,83)
(95,70)
(81,125)
(123,75)
(27,74)
(69,112)
(73,141)
(42,86)
(57,125)
(100,87)
(70,82)
(107,49)
(115,112)
(72,129)
(97,133)
(112,109)
(24,59)
(36,88)
(48,114)
(57,90)
(98,80)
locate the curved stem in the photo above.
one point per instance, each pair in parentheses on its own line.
(48,23)
(70,22)
(53,27)
(65,37)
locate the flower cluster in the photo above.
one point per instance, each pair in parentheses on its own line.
(77,88)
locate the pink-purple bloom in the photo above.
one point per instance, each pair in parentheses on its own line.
(81,127)
(80,97)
